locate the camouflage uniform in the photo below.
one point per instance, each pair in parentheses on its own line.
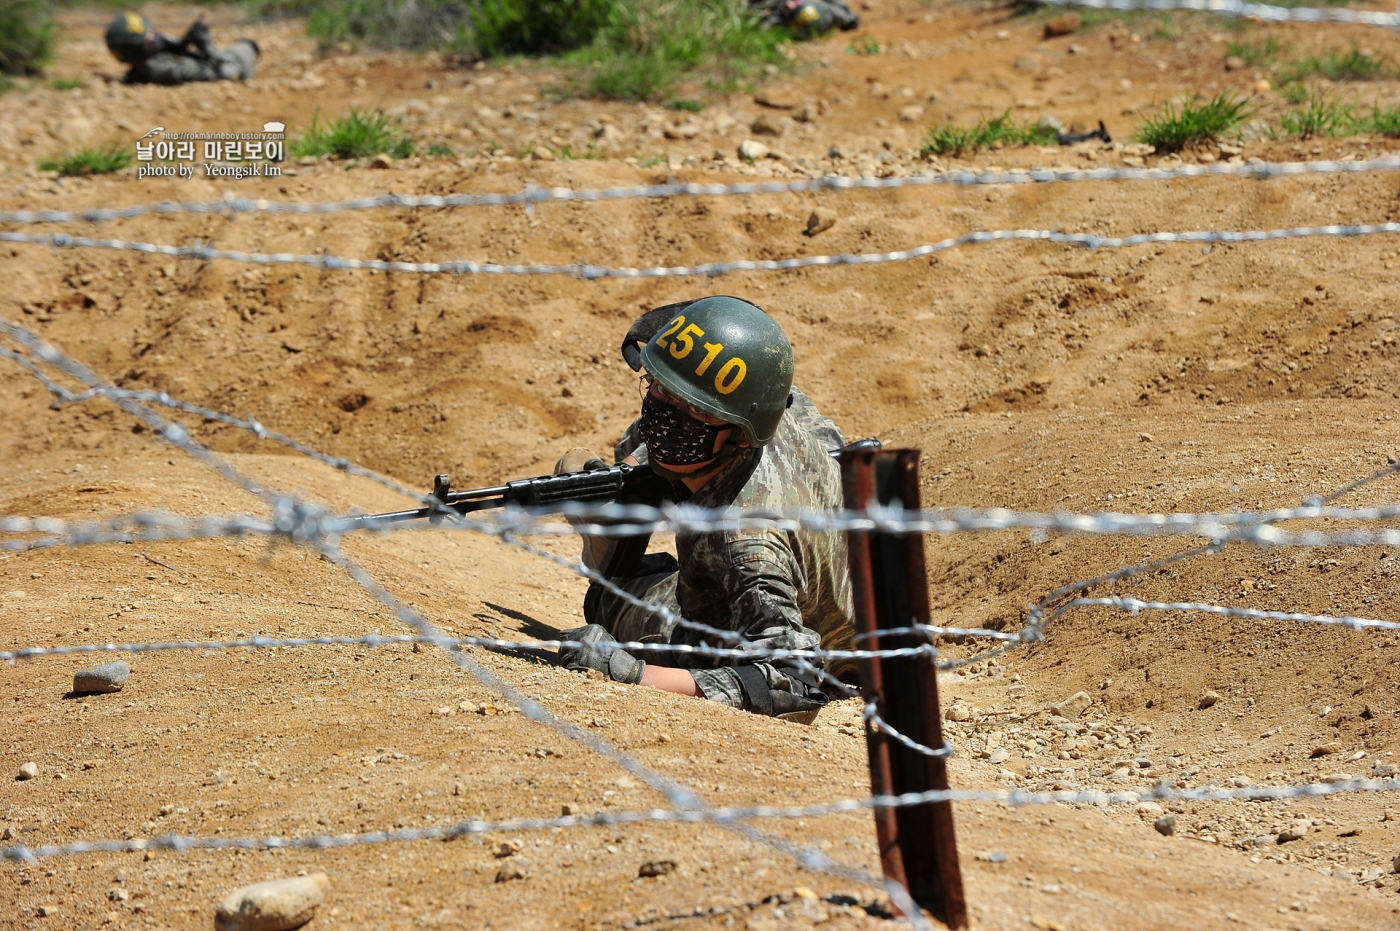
(809,17)
(778,589)
(238,62)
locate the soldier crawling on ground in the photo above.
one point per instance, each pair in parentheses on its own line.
(806,17)
(156,58)
(722,421)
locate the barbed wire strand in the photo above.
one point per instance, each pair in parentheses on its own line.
(530,196)
(1006,797)
(1260,11)
(208,253)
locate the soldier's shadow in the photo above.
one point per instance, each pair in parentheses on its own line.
(530,627)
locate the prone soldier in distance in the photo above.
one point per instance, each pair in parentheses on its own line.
(156,58)
(723,424)
(805,17)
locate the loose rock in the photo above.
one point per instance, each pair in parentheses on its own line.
(1063,25)
(998,756)
(506,848)
(109,677)
(275,905)
(752,150)
(657,868)
(821,220)
(766,125)
(1326,749)
(1295,831)
(1165,825)
(911,114)
(775,99)
(1383,770)
(1207,699)
(382,160)
(1074,706)
(510,872)
(28,771)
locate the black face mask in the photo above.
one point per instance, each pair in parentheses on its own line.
(675,438)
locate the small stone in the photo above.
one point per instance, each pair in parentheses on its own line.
(28,771)
(657,868)
(1063,25)
(911,114)
(1074,706)
(118,895)
(752,150)
(1241,781)
(47,911)
(1235,63)
(568,811)
(1262,86)
(775,99)
(1295,831)
(511,871)
(1165,825)
(109,677)
(998,756)
(766,125)
(1326,749)
(1395,864)
(275,905)
(382,160)
(684,131)
(1383,770)
(1332,779)
(807,113)
(1207,699)
(1151,809)
(821,220)
(506,848)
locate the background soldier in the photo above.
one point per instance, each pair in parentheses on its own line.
(806,17)
(158,59)
(721,419)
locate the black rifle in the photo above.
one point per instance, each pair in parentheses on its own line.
(619,484)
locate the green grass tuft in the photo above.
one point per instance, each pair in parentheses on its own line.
(999,132)
(67,84)
(355,135)
(90,161)
(693,106)
(440,150)
(1386,122)
(1257,54)
(867,45)
(27,33)
(650,46)
(1193,121)
(1355,65)
(1320,115)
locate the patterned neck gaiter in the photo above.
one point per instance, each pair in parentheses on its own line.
(675,438)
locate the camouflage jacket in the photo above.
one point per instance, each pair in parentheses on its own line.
(238,62)
(778,589)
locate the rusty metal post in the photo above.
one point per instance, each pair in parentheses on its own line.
(890,585)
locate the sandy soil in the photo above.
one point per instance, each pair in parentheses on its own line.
(1032,376)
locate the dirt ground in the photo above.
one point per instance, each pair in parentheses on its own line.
(1032,376)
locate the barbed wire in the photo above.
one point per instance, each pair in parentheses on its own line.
(376,640)
(1134,606)
(325,261)
(1261,11)
(532,195)
(303,520)
(722,816)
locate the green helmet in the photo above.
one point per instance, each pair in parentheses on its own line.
(130,38)
(728,358)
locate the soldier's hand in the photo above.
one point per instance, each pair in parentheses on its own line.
(584,653)
(578,459)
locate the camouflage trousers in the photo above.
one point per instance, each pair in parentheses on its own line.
(238,62)
(654,583)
